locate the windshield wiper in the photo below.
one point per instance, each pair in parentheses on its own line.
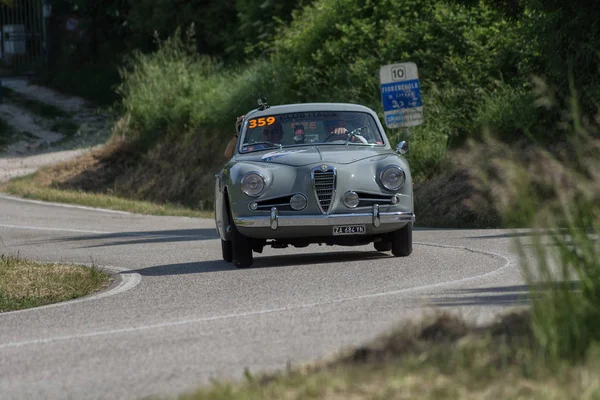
(271,144)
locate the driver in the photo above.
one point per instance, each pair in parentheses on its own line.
(335,127)
(336,130)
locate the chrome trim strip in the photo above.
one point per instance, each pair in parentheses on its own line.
(324,220)
(387,201)
(269,206)
(376,216)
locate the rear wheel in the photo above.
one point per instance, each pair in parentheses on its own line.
(383,245)
(227,250)
(402,241)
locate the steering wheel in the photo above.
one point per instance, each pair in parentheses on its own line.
(333,137)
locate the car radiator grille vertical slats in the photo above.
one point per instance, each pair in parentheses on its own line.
(324,184)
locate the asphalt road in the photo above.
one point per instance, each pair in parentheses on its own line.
(177,316)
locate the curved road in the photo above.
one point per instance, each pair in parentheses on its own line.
(177,316)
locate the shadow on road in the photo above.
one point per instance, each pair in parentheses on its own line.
(261,262)
(143,237)
(497,296)
(507,235)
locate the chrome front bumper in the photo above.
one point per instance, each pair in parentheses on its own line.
(274,220)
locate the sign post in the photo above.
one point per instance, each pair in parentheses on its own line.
(401,95)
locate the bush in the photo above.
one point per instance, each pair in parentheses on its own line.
(175,90)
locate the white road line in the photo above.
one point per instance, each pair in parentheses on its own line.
(45,203)
(508,264)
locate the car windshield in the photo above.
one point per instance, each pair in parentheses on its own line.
(318,128)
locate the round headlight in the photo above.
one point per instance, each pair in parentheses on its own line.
(298,202)
(350,199)
(253,184)
(393,177)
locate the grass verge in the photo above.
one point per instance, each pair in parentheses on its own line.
(27,187)
(438,359)
(25,283)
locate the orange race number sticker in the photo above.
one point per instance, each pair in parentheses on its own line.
(256,122)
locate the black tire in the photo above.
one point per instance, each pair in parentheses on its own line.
(402,241)
(383,245)
(227,250)
(241,249)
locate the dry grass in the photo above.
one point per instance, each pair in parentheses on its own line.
(25,283)
(93,180)
(28,188)
(119,177)
(440,358)
(453,200)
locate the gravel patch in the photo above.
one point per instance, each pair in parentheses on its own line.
(40,147)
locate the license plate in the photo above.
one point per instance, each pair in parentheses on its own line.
(349,230)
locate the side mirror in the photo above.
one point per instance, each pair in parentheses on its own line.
(402,147)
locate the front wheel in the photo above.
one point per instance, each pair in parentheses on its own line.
(241,249)
(402,241)
(227,250)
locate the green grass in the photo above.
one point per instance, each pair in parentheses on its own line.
(26,187)
(26,283)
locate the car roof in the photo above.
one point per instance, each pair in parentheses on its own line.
(305,107)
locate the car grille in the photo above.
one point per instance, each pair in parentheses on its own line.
(324,186)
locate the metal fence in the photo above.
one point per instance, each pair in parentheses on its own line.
(22,37)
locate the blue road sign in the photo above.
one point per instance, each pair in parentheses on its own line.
(401,95)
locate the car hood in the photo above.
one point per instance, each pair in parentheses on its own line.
(300,156)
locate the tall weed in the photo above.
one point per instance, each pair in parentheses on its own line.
(556,191)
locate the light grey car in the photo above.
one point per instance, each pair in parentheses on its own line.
(313,173)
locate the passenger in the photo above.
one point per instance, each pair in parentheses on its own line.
(299,134)
(230,149)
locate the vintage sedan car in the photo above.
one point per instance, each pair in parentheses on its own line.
(313,173)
